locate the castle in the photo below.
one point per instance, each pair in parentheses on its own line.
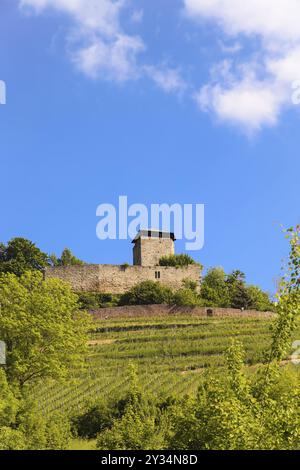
(149,247)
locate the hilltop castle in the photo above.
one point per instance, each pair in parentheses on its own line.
(149,247)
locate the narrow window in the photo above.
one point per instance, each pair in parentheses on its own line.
(157,274)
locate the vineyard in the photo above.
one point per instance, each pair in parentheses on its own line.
(171,354)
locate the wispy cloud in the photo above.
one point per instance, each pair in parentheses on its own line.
(250,95)
(98,45)
(100,48)
(254,94)
(168,79)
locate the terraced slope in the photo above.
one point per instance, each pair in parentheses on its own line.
(171,353)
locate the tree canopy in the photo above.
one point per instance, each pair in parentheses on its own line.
(39,321)
(231,291)
(67,259)
(21,255)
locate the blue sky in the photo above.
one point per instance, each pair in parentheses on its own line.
(178,101)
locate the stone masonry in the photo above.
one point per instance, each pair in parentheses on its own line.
(149,247)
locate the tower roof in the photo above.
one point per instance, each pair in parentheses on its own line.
(150,233)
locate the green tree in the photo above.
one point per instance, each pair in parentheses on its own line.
(39,321)
(97,417)
(21,255)
(259,300)
(147,293)
(186,297)
(67,259)
(9,404)
(139,426)
(214,289)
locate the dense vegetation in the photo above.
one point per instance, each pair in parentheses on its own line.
(235,409)
(221,290)
(21,255)
(181,391)
(45,336)
(217,290)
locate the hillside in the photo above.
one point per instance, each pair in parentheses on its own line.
(171,353)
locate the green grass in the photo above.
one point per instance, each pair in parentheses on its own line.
(171,354)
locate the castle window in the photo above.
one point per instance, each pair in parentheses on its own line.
(157,274)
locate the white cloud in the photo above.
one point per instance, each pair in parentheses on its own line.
(270,19)
(167,79)
(254,94)
(99,46)
(248,104)
(115,60)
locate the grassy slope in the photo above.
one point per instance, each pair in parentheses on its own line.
(171,354)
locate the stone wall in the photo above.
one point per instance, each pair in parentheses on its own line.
(148,251)
(166,310)
(115,279)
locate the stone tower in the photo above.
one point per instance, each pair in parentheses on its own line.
(151,245)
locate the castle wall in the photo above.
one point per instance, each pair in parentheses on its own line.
(115,279)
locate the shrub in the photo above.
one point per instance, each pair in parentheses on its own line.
(186,298)
(11,439)
(95,419)
(176,260)
(96,300)
(147,293)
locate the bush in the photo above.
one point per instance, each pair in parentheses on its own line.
(186,298)
(231,291)
(95,419)
(147,293)
(11,439)
(96,300)
(178,261)
(136,430)
(139,426)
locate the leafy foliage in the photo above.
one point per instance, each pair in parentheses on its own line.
(221,290)
(67,259)
(41,326)
(186,297)
(23,427)
(96,300)
(21,255)
(176,260)
(97,417)
(146,293)
(137,428)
